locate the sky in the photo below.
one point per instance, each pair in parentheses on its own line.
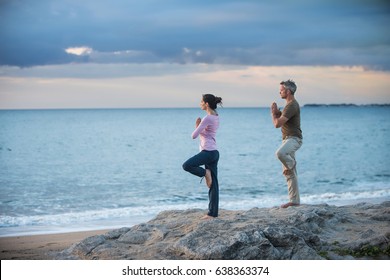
(150,53)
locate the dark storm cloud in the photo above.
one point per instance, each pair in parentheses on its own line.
(302,32)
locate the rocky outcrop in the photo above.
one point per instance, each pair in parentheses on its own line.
(307,232)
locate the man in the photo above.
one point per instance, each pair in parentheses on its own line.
(290,122)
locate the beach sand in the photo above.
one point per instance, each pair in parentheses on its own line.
(40,247)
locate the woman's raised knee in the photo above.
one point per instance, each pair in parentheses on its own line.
(186,166)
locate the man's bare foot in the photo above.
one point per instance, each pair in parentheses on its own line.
(209,179)
(286,172)
(289,204)
(207,217)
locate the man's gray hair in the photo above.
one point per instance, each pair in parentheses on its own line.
(289,85)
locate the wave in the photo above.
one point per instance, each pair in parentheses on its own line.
(348,197)
(129,216)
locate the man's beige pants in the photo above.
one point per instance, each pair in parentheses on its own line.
(286,154)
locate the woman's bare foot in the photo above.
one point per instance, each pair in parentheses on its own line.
(209,179)
(207,217)
(289,204)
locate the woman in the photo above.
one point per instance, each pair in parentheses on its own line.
(206,129)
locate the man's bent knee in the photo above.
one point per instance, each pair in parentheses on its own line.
(280,155)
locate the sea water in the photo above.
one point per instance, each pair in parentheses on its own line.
(70,170)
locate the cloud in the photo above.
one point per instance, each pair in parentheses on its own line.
(302,32)
(181,85)
(80,51)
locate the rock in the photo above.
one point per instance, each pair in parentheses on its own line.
(307,232)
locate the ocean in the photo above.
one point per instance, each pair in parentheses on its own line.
(73,170)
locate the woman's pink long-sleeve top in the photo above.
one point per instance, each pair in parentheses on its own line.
(207,130)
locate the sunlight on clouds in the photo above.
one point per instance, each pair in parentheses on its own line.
(80,51)
(178,85)
(120,56)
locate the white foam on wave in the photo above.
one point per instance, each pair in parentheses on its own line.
(347,197)
(129,216)
(76,221)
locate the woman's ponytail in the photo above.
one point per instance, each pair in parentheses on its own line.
(212,100)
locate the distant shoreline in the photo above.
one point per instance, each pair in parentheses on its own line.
(345,105)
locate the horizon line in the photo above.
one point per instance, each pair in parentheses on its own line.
(195,107)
